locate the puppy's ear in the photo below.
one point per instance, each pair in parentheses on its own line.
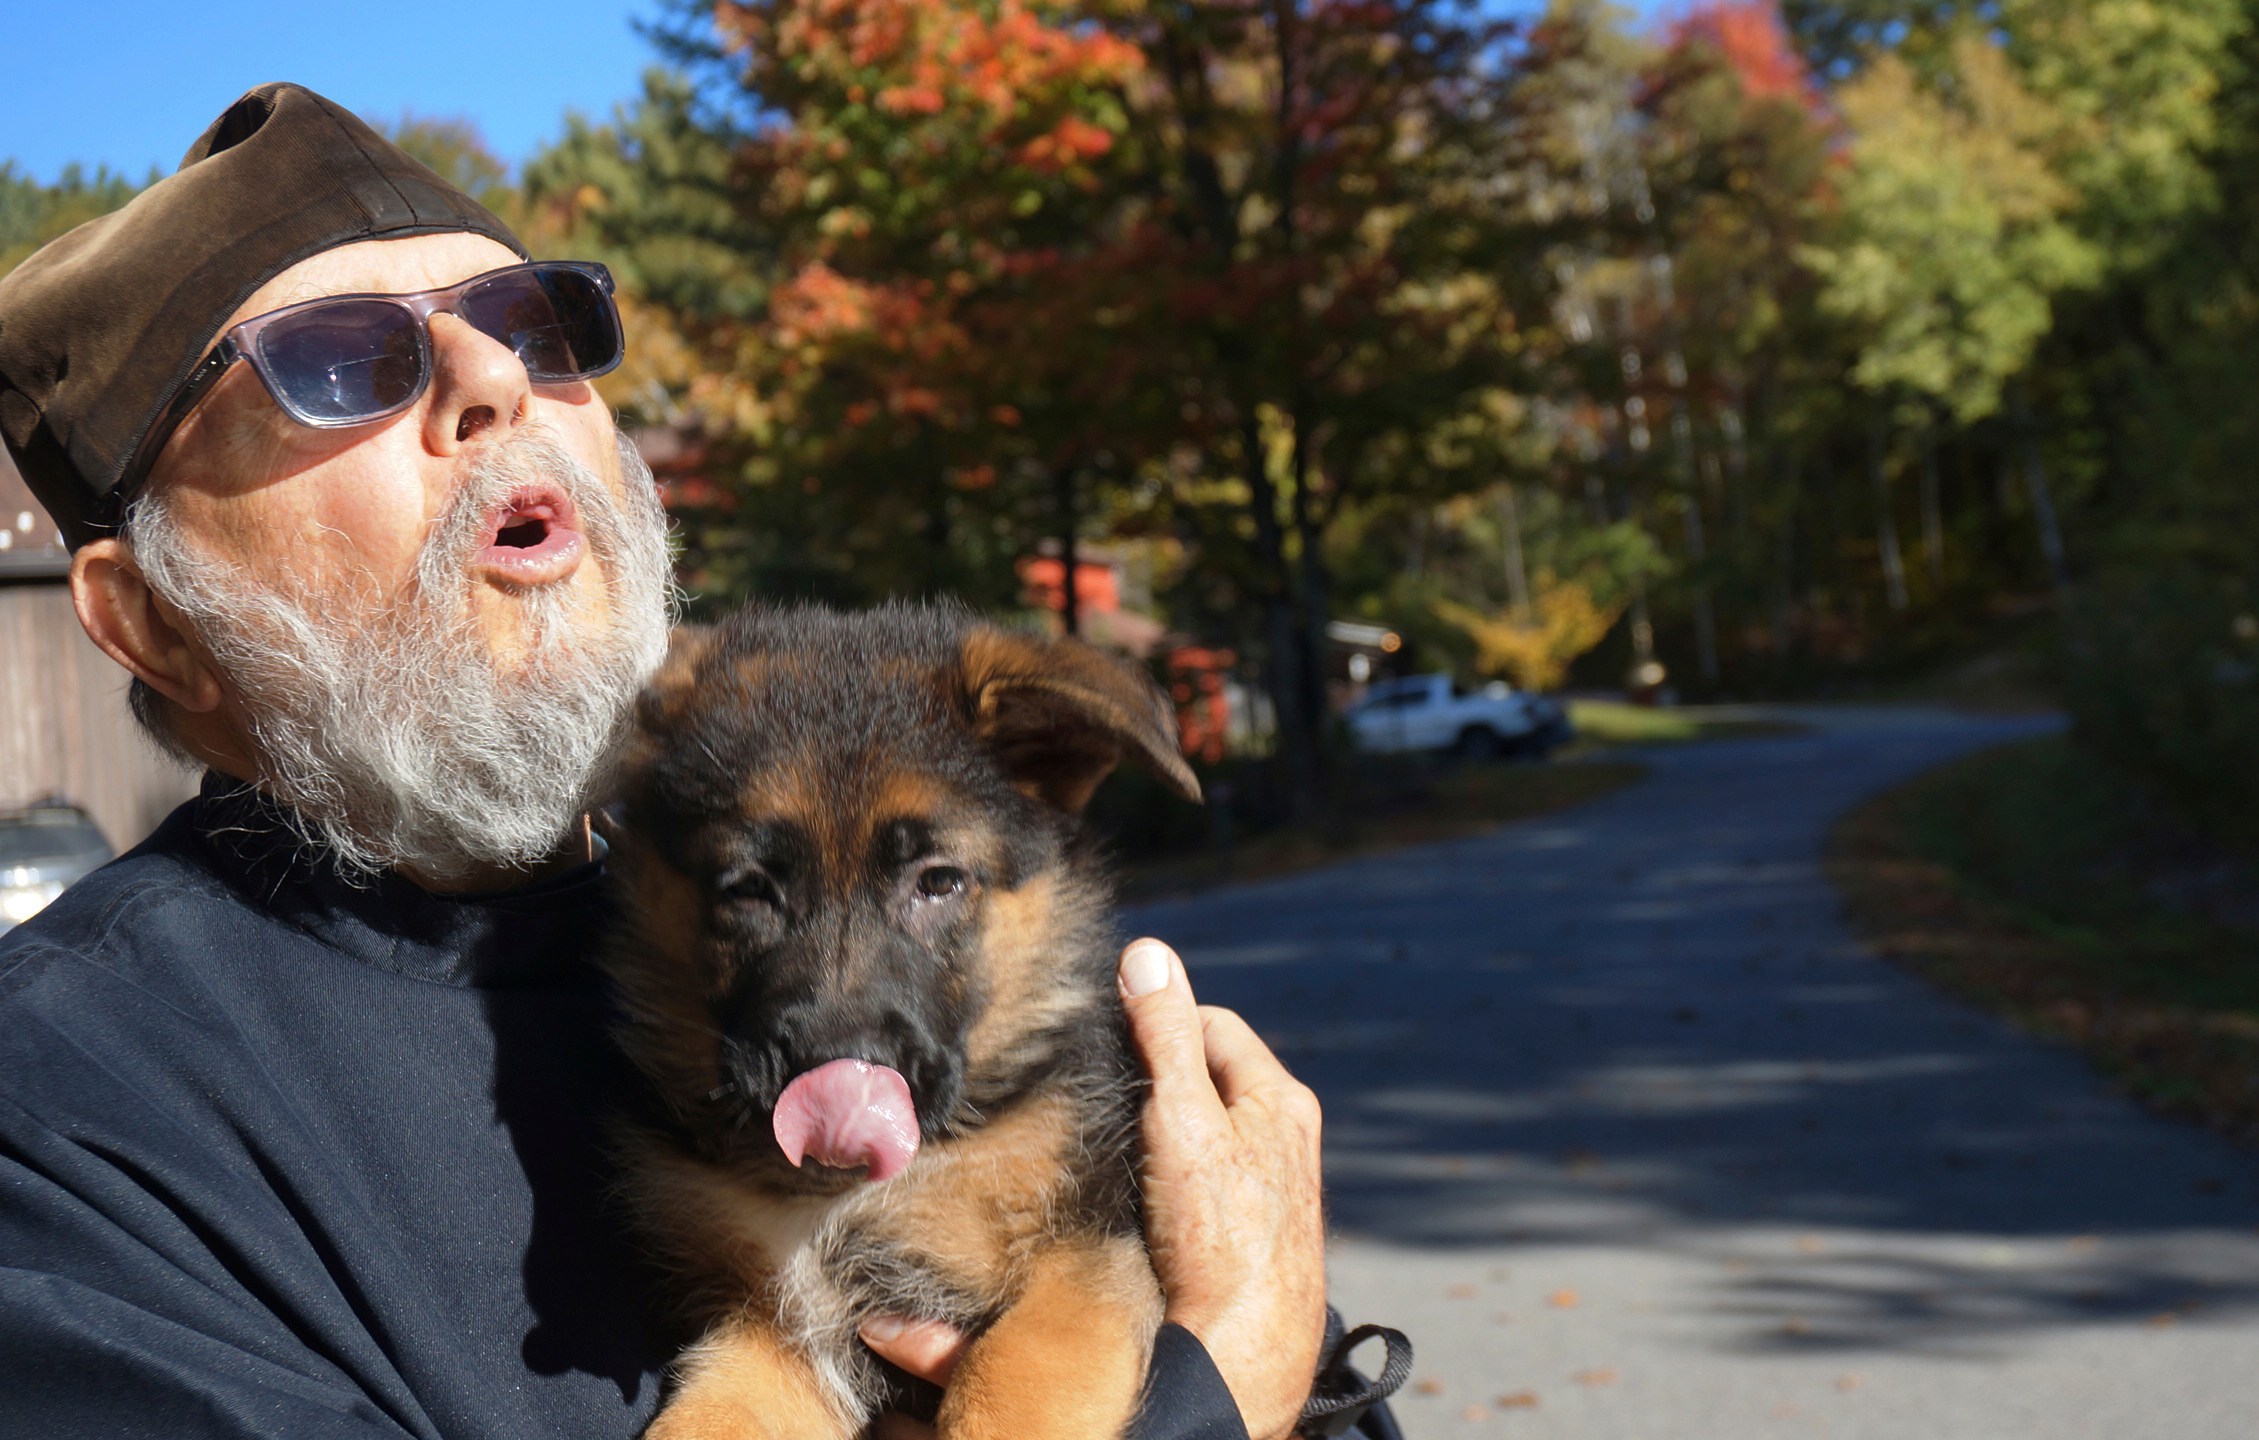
(669,688)
(1060,715)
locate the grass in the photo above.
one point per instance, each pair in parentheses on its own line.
(2032,881)
(1446,804)
(1612,722)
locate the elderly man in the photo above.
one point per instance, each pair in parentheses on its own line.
(300,1101)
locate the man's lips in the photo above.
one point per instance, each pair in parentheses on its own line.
(534,538)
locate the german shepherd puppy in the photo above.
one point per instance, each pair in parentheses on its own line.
(867,965)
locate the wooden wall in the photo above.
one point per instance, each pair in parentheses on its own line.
(64,727)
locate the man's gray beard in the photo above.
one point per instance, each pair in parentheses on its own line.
(395,739)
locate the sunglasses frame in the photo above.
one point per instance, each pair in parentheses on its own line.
(241,342)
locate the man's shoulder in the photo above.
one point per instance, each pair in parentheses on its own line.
(136,924)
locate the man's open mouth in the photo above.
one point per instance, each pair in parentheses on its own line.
(536,537)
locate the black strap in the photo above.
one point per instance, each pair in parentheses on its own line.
(1342,1396)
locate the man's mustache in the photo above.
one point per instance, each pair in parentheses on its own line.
(488,477)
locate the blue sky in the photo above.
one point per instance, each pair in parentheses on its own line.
(128,83)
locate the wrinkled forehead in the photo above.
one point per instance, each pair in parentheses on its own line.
(382,267)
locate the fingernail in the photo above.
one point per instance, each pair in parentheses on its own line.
(882,1328)
(1145,968)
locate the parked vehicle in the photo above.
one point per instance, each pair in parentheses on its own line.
(42,850)
(1435,712)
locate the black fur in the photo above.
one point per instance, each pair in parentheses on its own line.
(824,928)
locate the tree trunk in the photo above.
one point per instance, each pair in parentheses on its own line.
(1784,572)
(1517,571)
(1697,544)
(1281,636)
(2042,494)
(1933,513)
(1316,585)
(1886,523)
(1642,632)
(1705,612)
(1069,517)
(939,557)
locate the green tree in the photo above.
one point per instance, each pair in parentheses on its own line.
(31,214)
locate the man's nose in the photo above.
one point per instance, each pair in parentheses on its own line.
(478,388)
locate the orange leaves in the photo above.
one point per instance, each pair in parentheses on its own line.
(1071,141)
(1749,36)
(925,57)
(890,336)
(911,100)
(819,303)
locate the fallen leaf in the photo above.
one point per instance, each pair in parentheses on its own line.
(1604,1376)
(2159,1322)
(1809,1245)
(1562,1299)
(1461,1292)
(1784,1412)
(1848,1383)
(1795,1325)
(1430,1386)
(1519,1400)
(1475,1412)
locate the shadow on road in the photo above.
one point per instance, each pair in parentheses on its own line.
(1644,1025)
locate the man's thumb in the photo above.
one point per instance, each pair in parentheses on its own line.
(1163,1018)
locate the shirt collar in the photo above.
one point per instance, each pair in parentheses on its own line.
(534,936)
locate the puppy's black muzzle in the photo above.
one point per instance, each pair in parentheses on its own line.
(771,1044)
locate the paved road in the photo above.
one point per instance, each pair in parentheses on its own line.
(1622,1121)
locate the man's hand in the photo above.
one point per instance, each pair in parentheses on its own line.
(1233,1207)
(927,1349)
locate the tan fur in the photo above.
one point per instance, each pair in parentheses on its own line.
(1017,1219)
(1062,715)
(1020,935)
(979,1213)
(741,1382)
(1067,1361)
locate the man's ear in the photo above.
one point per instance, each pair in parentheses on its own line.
(1060,715)
(123,616)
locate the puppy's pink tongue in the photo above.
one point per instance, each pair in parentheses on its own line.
(849,1113)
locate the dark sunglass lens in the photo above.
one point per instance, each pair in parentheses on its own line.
(558,320)
(353,360)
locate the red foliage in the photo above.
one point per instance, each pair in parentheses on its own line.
(1749,36)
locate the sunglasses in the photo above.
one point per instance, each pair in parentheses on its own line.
(352,359)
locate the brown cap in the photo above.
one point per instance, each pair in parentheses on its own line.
(99,329)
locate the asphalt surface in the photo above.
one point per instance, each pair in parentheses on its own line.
(1634,1140)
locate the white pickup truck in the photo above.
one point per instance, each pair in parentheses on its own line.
(1435,712)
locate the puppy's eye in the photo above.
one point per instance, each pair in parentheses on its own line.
(939,882)
(753,885)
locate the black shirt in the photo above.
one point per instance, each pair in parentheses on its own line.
(280,1156)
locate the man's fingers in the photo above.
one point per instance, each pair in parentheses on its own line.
(927,1349)
(1237,1059)
(1166,1025)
